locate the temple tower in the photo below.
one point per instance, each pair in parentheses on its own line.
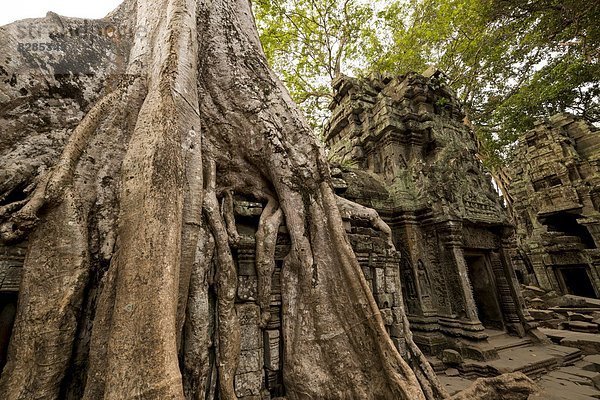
(403,148)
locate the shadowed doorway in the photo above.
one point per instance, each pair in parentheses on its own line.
(485,292)
(574,279)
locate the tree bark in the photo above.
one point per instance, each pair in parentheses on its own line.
(198,116)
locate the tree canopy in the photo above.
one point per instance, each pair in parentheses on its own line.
(509,61)
(310,42)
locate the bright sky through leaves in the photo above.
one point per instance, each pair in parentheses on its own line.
(15,10)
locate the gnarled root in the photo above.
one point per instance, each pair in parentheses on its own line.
(266,239)
(226,277)
(430,384)
(192,224)
(432,387)
(228,216)
(349,209)
(51,187)
(47,317)
(199,323)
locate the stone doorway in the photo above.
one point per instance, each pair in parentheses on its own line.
(574,279)
(485,291)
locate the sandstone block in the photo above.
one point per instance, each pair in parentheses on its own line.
(248,384)
(451,357)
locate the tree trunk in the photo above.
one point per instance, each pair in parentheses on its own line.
(197,116)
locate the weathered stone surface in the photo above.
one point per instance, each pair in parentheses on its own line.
(248,384)
(514,386)
(579,326)
(588,343)
(251,338)
(451,357)
(272,342)
(572,316)
(250,361)
(46,92)
(541,315)
(554,191)
(534,289)
(401,144)
(592,363)
(377,261)
(247,288)
(386,314)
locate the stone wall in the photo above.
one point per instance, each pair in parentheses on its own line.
(555,192)
(11,263)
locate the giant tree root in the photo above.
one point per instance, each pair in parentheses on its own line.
(349,209)
(266,239)
(226,276)
(198,361)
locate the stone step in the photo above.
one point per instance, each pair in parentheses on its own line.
(580,310)
(588,343)
(565,355)
(500,340)
(541,315)
(513,344)
(571,302)
(437,364)
(533,360)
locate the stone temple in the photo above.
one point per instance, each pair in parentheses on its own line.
(415,163)
(555,197)
(398,145)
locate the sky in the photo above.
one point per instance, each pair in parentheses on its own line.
(13,10)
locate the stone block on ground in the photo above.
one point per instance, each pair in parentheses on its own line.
(588,343)
(541,315)
(537,303)
(579,317)
(570,301)
(451,357)
(579,326)
(535,289)
(593,377)
(592,363)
